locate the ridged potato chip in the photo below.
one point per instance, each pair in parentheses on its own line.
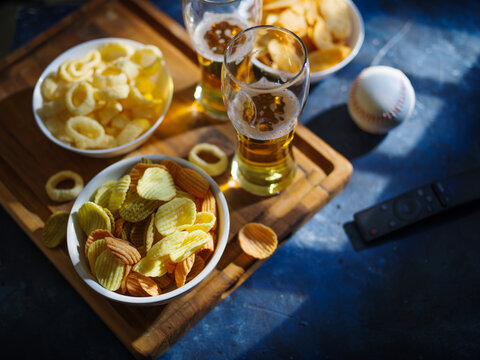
(109,271)
(156,184)
(257,240)
(192,182)
(60,195)
(101,196)
(176,212)
(197,268)
(208,248)
(153,267)
(182,270)
(55,229)
(92,217)
(119,193)
(203,221)
(194,241)
(123,250)
(137,234)
(150,233)
(135,208)
(141,285)
(210,158)
(96,235)
(94,250)
(166,245)
(172,167)
(123,285)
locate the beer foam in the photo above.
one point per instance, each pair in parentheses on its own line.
(244,97)
(209,19)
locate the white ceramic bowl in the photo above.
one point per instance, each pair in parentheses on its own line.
(76,237)
(355,41)
(75,53)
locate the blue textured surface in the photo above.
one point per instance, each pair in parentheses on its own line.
(325,295)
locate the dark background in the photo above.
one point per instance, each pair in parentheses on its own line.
(325,294)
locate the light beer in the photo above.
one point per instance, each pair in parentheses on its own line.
(210,39)
(265,122)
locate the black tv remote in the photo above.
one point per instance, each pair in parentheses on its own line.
(418,204)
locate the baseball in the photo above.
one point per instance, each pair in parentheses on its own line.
(381,97)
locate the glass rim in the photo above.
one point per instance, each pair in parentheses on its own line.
(279,87)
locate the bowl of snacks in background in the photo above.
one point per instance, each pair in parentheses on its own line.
(104,97)
(147,230)
(332,30)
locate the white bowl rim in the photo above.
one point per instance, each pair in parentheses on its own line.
(73,243)
(55,63)
(319,75)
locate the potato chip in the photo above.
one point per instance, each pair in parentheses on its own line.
(197,268)
(111,217)
(123,285)
(337,17)
(194,240)
(94,250)
(137,234)
(85,131)
(102,194)
(209,204)
(118,231)
(137,172)
(123,250)
(55,229)
(135,208)
(141,285)
(278,4)
(92,217)
(167,245)
(183,194)
(192,182)
(150,233)
(163,281)
(79,98)
(156,184)
(153,267)
(172,167)
(96,235)
(203,221)
(210,158)
(208,248)
(176,212)
(182,269)
(257,240)
(109,271)
(119,193)
(59,194)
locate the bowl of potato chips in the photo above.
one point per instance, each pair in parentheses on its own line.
(104,97)
(147,230)
(332,31)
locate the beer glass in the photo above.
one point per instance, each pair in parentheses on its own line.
(265,83)
(211,24)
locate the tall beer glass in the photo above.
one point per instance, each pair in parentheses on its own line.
(265,83)
(211,24)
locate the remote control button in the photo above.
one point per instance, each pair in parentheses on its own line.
(429,208)
(407,209)
(429,198)
(384,207)
(392,223)
(420,192)
(373,231)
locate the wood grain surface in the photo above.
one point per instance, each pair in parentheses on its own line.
(28,159)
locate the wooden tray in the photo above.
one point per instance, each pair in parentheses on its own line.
(28,159)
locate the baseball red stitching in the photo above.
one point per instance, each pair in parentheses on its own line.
(377,118)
